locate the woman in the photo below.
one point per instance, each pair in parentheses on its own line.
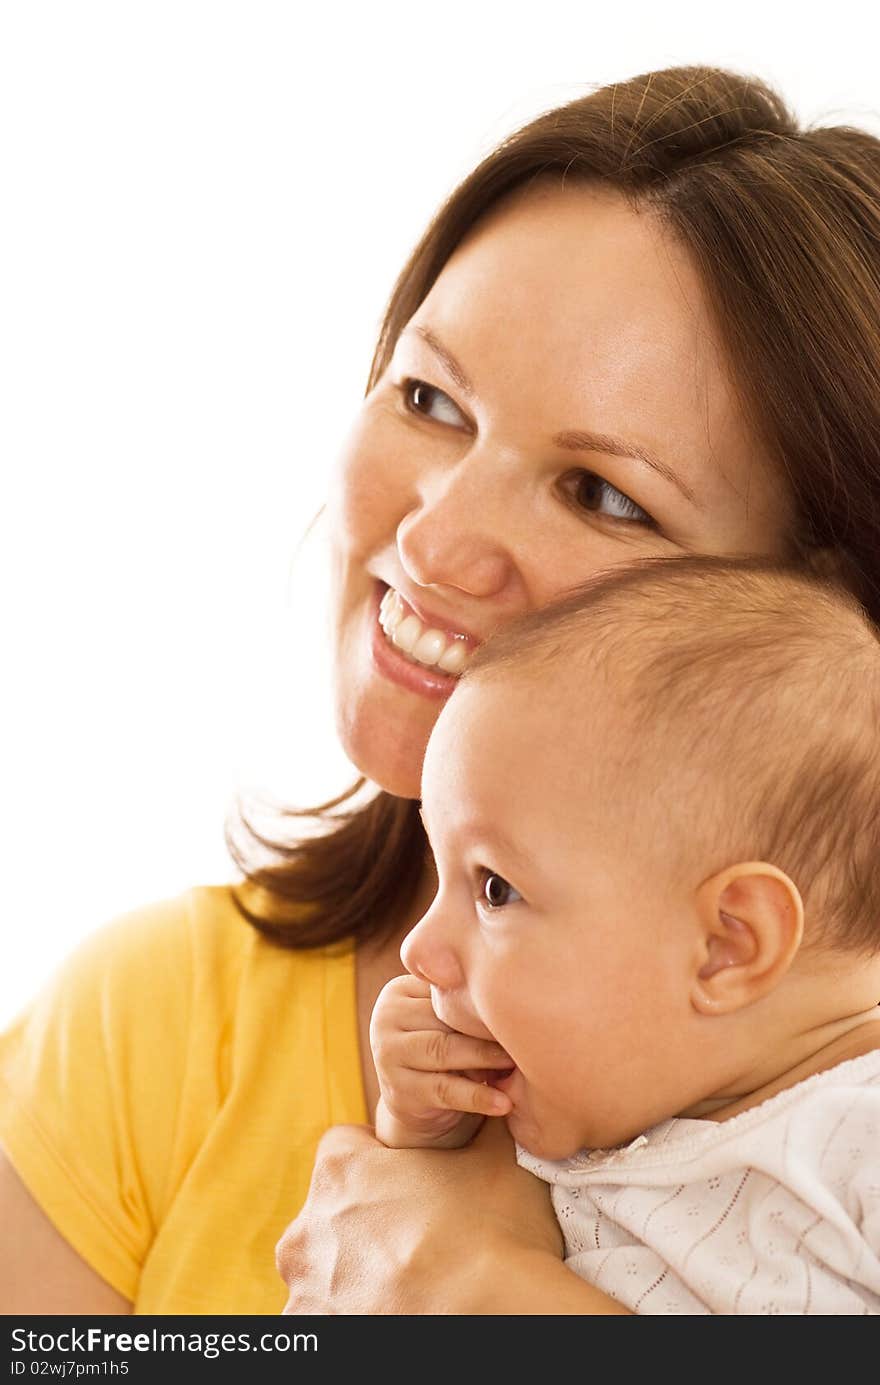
(646,324)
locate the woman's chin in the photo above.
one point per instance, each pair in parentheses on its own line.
(384,731)
(394,763)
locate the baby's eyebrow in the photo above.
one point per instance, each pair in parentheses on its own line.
(475,835)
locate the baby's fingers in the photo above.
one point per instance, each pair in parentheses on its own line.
(451,1092)
(436,1050)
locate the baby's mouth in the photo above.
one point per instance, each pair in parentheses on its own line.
(490,1077)
(496,1077)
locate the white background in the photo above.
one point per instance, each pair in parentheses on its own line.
(204,206)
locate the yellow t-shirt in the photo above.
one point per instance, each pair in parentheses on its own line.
(162,1100)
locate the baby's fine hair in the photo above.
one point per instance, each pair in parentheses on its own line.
(754,691)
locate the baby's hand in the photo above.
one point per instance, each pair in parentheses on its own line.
(427,1098)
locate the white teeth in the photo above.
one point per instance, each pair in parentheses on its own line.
(407,633)
(432,648)
(429,647)
(393,613)
(454,658)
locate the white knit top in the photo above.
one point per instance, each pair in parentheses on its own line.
(774,1211)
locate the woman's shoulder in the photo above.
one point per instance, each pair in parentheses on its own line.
(203,916)
(162,942)
(172,921)
(204,920)
(189,963)
(168,986)
(186,961)
(150,970)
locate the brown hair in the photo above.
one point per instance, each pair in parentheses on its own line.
(784,225)
(752,685)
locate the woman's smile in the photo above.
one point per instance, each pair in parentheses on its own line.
(394,661)
(422,638)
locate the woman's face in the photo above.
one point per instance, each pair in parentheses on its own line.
(559,403)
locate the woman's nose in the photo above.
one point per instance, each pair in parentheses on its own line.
(459,532)
(429,953)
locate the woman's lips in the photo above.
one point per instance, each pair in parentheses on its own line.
(432,683)
(435,622)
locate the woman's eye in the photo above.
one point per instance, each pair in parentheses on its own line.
(592,492)
(497,892)
(427,400)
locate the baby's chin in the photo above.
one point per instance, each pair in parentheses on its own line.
(545,1139)
(541,1143)
(558,1141)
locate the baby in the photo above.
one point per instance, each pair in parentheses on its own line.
(655,946)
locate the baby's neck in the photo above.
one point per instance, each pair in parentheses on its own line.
(808,1054)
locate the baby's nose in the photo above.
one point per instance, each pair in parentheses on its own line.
(430,958)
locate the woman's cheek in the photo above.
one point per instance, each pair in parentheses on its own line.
(366,500)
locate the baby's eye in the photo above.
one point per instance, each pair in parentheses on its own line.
(425,399)
(497,892)
(594,493)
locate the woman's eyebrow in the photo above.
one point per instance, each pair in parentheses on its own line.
(454,369)
(572,439)
(576,440)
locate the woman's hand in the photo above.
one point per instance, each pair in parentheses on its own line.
(402,1231)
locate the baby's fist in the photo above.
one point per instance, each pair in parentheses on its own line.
(420,1062)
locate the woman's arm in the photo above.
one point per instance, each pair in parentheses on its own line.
(402,1231)
(39,1271)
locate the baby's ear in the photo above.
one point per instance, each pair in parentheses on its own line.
(751,920)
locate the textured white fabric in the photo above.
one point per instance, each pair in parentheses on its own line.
(774,1211)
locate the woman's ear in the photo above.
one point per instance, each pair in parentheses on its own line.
(751,919)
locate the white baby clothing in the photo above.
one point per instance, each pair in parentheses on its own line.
(774,1211)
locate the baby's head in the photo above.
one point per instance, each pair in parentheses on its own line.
(654,812)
